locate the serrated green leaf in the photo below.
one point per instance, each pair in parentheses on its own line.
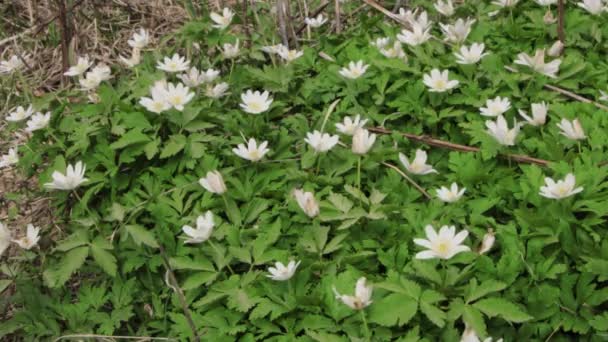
(503,308)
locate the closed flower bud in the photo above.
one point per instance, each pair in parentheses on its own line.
(556,49)
(214,182)
(549,18)
(487,242)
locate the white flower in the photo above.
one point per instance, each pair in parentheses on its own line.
(254,102)
(139,40)
(595,7)
(12,64)
(438,81)
(20,114)
(176,63)
(572,129)
(396,51)
(416,36)
(603,96)
(252,151)
(203,230)
(458,32)
(470,55)
(213,182)
(30,239)
(93,78)
(444,245)
(281,272)
(5,238)
(11,158)
(414,18)
(158,102)
(191,78)
(362,141)
(546,2)
(307,202)
(469,335)
(132,61)
(362,297)
(222,20)
(495,107)
(487,242)
(537,63)
(73,178)
(562,189)
(450,195)
(505,3)
(217,90)
(273,49)
(539,114)
(178,95)
(321,142)
(446,8)
(381,43)
(38,121)
(350,126)
(316,22)
(80,68)
(289,55)
(418,166)
(556,49)
(548,18)
(354,70)
(500,131)
(231,50)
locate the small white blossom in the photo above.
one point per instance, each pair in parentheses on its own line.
(500,131)
(281,272)
(457,32)
(11,158)
(254,102)
(539,114)
(30,239)
(603,96)
(537,63)
(362,141)
(231,50)
(572,129)
(289,55)
(417,35)
(5,238)
(216,91)
(316,22)
(381,43)
(444,7)
(354,70)
(505,3)
(38,121)
(273,49)
(82,65)
(562,189)
(546,2)
(556,49)
(222,20)
(395,51)
(11,65)
(321,142)
(450,195)
(414,18)
(178,95)
(93,78)
(307,202)
(157,103)
(495,107)
(20,114)
(213,182)
(133,60)
(176,63)
(595,7)
(252,151)
(139,40)
(438,81)
(362,297)
(349,126)
(418,166)
(73,178)
(470,55)
(193,78)
(487,242)
(469,335)
(442,245)
(203,230)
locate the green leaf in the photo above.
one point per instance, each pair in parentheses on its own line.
(174,146)
(142,235)
(474,318)
(69,263)
(134,136)
(105,259)
(488,286)
(394,309)
(503,308)
(232,210)
(78,238)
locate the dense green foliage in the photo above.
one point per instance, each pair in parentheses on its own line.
(546,276)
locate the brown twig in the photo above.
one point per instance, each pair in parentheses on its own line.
(246,24)
(410,180)
(338,19)
(560,22)
(65,37)
(179,292)
(427,140)
(314,13)
(282,22)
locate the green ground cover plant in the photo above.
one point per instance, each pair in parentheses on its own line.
(228,188)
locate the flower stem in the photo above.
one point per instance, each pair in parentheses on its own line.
(359,173)
(367,334)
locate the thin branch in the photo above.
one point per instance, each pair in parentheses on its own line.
(282,22)
(179,292)
(560,22)
(66,36)
(427,140)
(411,181)
(338,19)
(139,338)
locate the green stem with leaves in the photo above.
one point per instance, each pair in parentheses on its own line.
(365,326)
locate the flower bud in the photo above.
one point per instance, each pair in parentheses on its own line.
(214,182)
(487,242)
(549,18)
(556,49)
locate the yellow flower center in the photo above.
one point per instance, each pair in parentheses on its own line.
(255,106)
(440,84)
(442,248)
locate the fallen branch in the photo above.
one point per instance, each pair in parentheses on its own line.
(457,147)
(411,181)
(557,89)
